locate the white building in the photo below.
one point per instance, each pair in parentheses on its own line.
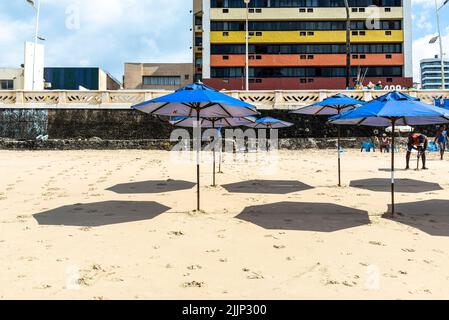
(11,78)
(431,73)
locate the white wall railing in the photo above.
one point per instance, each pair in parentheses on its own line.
(122,100)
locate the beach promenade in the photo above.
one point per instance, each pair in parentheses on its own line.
(116,225)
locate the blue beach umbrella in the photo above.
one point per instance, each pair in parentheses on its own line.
(393,109)
(269,123)
(214,123)
(329,107)
(199,101)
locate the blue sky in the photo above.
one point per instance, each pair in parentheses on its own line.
(108,33)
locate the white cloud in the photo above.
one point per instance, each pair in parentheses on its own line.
(105,33)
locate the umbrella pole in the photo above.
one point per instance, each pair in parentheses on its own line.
(213,166)
(339,156)
(221,154)
(198,160)
(392,167)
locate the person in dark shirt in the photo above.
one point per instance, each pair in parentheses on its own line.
(418,142)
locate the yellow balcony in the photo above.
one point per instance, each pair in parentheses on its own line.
(237,37)
(198,50)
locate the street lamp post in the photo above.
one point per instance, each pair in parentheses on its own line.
(437,11)
(348,44)
(247,46)
(36,37)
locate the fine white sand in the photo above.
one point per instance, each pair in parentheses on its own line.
(120,224)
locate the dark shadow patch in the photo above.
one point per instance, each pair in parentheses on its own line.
(401,185)
(101,213)
(319,217)
(155,186)
(429,216)
(267,186)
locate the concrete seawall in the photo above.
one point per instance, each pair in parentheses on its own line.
(129,129)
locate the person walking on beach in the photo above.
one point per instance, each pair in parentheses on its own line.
(418,142)
(385,144)
(441,139)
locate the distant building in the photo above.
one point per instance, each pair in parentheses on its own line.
(300,44)
(11,79)
(431,73)
(79,78)
(168,76)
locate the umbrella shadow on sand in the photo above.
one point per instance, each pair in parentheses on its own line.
(401,185)
(101,213)
(319,217)
(267,186)
(429,216)
(153,186)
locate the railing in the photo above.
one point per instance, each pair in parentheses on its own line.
(122,99)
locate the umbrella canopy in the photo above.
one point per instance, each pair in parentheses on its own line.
(330,106)
(212,122)
(189,100)
(200,101)
(269,123)
(394,108)
(403,109)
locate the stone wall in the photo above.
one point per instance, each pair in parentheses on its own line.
(133,125)
(162,144)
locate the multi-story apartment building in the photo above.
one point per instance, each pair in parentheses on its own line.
(300,44)
(431,73)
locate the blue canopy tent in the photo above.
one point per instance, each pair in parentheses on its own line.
(330,107)
(393,109)
(214,123)
(199,101)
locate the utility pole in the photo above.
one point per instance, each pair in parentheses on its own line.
(348,44)
(247,46)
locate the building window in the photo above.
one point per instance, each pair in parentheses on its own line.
(186,77)
(6,84)
(162,80)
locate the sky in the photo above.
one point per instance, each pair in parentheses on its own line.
(108,33)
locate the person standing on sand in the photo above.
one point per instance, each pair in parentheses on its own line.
(419,142)
(385,144)
(441,138)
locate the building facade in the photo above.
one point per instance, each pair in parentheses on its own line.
(300,44)
(79,78)
(431,78)
(11,79)
(163,76)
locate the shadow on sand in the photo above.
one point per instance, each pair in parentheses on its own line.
(155,186)
(401,185)
(320,217)
(429,216)
(267,186)
(101,213)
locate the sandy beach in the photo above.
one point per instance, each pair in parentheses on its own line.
(117,225)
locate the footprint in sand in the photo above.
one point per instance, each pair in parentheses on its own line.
(253,275)
(195,267)
(193,284)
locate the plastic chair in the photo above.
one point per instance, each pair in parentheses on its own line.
(433,147)
(442,103)
(367,146)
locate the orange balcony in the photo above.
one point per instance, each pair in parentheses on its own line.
(294,60)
